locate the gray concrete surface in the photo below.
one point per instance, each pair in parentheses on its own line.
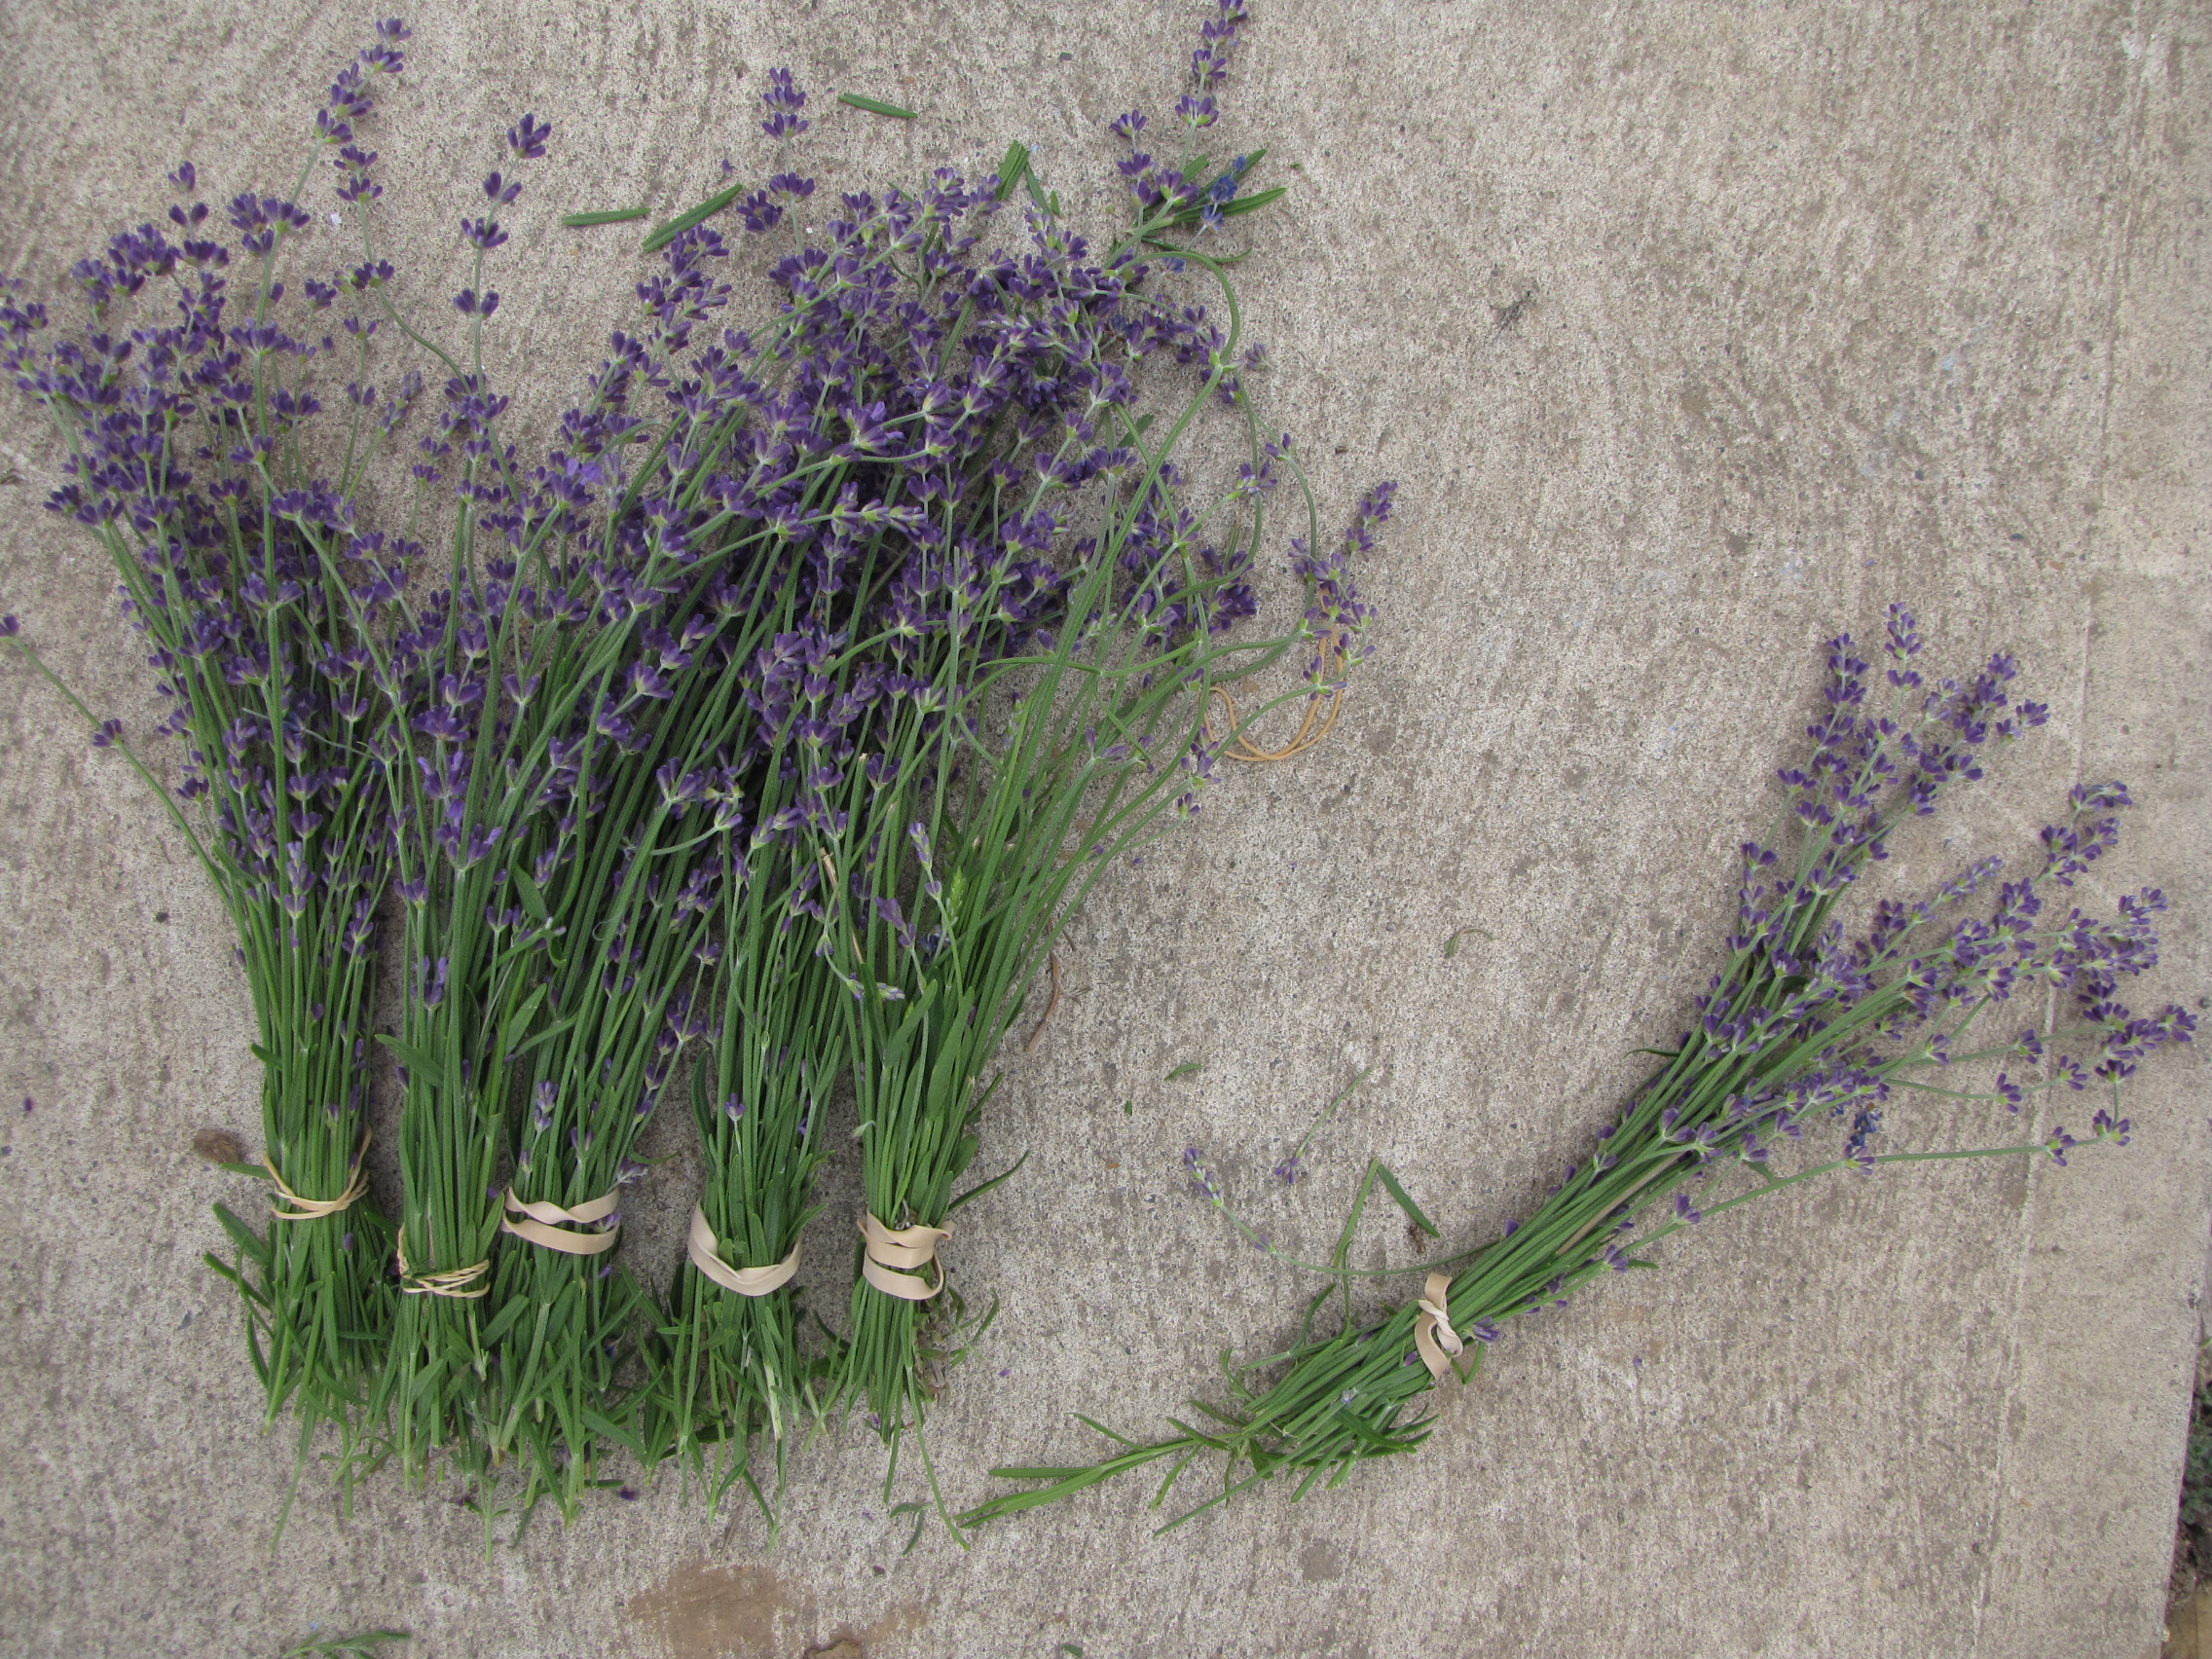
(1694,333)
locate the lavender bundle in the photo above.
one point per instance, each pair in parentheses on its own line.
(964,860)
(1802,1025)
(583,750)
(197,459)
(565,707)
(654,866)
(981,681)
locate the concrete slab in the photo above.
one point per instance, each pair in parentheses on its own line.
(1694,334)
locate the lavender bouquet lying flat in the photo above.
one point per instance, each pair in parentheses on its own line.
(1000,679)
(221,488)
(1806,1025)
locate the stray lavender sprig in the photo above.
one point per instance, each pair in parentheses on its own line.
(1802,1024)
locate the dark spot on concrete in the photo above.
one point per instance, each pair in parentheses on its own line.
(751,1612)
(219,1146)
(1320,1561)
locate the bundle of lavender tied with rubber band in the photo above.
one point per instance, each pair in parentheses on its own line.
(1804,1024)
(222,489)
(1002,677)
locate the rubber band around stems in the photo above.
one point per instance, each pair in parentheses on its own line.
(540,1224)
(703,1248)
(454,1282)
(314,1209)
(893,1249)
(1434,1338)
(1311,729)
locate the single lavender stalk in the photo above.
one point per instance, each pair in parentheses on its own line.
(1800,1023)
(241,567)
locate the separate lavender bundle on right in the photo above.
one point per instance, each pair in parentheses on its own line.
(1803,1023)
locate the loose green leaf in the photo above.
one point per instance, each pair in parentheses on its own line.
(1452,945)
(683,222)
(921,1514)
(1189,1068)
(875,106)
(1011,169)
(363,1644)
(608,216)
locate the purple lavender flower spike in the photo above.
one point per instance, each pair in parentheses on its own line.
(784,102)
(528,140)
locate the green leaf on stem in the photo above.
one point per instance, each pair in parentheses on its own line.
(419,1064)
(1011,169)
(1405,1202)
(683,222)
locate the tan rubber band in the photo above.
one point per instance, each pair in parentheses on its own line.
(902,1247)
(454,1283)
(312,1209)
(746,1281)
(539,1225)
(1314,727)
(1434,1338)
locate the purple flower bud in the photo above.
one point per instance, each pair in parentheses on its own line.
(528,140)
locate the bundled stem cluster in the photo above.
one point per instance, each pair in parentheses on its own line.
(765,729)
(194,457)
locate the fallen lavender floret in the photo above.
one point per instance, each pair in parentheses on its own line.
(1803,1024)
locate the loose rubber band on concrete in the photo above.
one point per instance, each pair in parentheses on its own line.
(454,1282)
(889,1248)
(541,1219)
(702,1246)
(1311,729)
(313,1209)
